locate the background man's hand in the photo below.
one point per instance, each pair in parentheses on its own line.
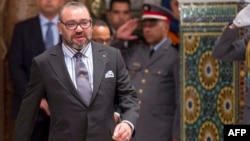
(125,32)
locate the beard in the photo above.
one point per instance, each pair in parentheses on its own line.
(77,45)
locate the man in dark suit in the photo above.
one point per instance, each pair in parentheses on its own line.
(154,71)
(79,114)
(229,48)
(101,34)
(29,40)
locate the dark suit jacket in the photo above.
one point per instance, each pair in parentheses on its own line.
(156,80)
(229,48)
(71,119)
(27,42)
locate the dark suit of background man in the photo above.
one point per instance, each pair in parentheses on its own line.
(101,34)
(229,48)
(29,40)
(53,75)
(154,71)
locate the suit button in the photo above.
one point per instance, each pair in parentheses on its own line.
(143,81)
(140,91)
(146,71)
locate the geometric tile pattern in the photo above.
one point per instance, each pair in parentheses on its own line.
(212,90)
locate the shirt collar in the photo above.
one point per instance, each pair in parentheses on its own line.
(44,20)
(86,51)
(157,46)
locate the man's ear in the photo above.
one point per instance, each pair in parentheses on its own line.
(167,25)
(59,26)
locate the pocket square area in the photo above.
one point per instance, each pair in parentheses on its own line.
(109,74)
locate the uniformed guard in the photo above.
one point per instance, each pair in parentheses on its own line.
(154,70)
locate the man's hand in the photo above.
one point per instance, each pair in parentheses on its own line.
(126,30)
(243,17)
(44,105)
(122,132)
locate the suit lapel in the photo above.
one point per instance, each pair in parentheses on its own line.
(36,33)
(99,62)
(57,63)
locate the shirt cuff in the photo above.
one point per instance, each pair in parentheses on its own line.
(116,113)
(130,124)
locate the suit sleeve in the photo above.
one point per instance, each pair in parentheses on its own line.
(30,105)
(228,48)
(126,96)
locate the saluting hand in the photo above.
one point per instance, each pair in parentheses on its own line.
(125,32)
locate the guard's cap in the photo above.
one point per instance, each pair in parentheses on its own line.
(151,11)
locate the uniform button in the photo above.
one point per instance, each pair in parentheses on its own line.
(159,72)
(143,81)
(139,101)
(140,91)
(81,75)
(146,71)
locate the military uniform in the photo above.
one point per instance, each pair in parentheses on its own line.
(156,80)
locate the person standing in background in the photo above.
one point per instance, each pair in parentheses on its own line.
(30,38)
(154,71)
(101,32)
(119,12)
(174,29)
(82,80)
(229,48)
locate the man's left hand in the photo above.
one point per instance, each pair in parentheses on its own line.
(122,132)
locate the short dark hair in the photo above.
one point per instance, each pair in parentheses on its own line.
(99,22)
(74,4)
(118,1)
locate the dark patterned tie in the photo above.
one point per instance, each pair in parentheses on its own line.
(49,39)
(82,80)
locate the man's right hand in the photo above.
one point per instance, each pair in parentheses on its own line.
(126,30)
(123,132)
(243,17)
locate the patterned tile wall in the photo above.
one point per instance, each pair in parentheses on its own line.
(216,96)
